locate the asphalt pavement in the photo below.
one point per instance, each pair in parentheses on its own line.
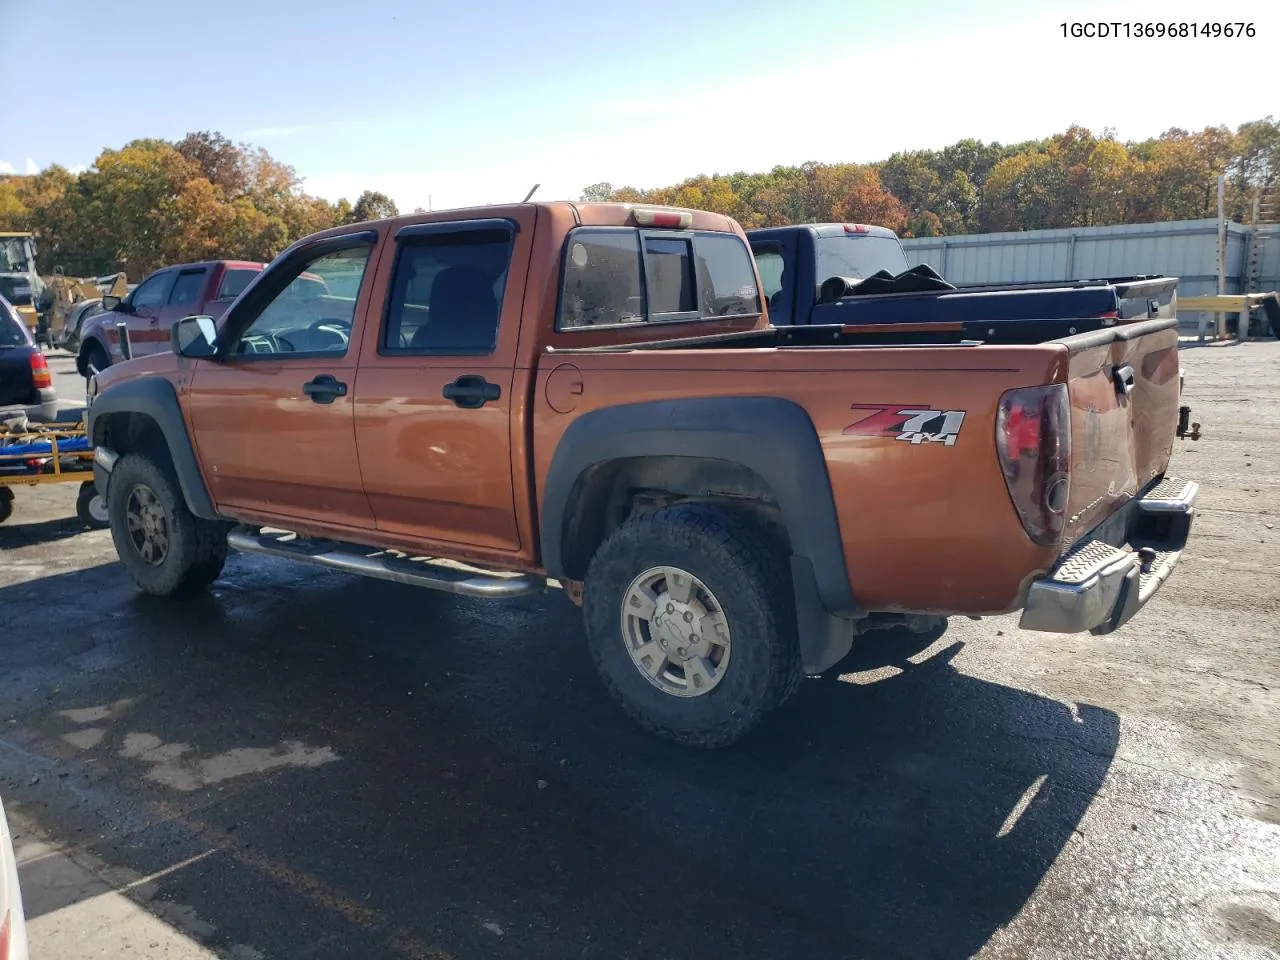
(299,763)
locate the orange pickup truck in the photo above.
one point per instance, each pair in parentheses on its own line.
(487,400)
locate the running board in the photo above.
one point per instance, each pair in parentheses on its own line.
(385,565)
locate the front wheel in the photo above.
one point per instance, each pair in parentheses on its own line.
(690,622)
(166,549)
(94,358)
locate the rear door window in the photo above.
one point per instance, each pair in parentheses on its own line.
(447,291)
(234,281)
(617,276)
(187,288)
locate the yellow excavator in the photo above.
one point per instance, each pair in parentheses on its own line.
(19,282)
(63,294)
(46,303)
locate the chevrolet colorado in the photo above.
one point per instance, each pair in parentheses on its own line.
(483,401)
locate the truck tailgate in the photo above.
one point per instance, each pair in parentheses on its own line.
(1123,389)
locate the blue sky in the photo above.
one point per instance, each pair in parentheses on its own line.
(459,103)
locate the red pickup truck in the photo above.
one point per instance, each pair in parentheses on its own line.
(156,304)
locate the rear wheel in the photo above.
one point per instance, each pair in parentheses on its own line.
(91,508)
(6,504)
(166,549)
(690,621)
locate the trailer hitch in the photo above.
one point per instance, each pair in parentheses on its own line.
(1184,415)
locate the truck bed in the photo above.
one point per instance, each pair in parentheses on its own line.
(825,274)
(1108,300)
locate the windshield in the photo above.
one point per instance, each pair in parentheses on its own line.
(15,255)
(858,257)
(17,290)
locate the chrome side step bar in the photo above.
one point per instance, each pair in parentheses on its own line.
(385,565)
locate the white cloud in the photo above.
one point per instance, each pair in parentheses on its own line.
(6,167)
(78,168)
(31,166)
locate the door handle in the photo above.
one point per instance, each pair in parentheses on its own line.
(323,388)
(1122,377)
(471,391)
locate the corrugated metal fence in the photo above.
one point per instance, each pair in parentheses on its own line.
(1187,249)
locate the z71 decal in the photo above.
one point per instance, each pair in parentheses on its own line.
(915,425)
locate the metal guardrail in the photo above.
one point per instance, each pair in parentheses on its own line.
(1224,303)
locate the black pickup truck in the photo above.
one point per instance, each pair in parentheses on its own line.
(851,274)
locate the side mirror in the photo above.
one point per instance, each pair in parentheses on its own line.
(110,302)
(194,337)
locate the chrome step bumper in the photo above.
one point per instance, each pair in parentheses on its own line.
(1100,584)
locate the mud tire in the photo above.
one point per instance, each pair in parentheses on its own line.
(751,581)
(196,548)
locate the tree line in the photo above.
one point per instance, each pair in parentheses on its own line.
(155,202)
(1072,179)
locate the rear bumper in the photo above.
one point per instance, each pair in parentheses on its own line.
(1108,577)
(44,408)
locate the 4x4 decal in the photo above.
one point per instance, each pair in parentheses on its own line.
(914,424)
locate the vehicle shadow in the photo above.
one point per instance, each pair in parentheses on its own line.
(483,782)
(15,534)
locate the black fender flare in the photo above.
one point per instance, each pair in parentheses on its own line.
(156,399)
(771,436)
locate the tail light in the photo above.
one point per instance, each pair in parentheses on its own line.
(856,228)
(6,935)
(40,375)
(1033,438)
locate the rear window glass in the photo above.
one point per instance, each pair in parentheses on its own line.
(12,333)
(233,283)
(669,266)
(621,275)
(725,277)
(858,256)
(771,267)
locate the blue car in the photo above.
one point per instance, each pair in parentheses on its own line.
(26,383)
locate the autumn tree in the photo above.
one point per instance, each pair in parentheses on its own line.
(372,205)
(14,214)
(1256,164)
(222,162)
(152,202)
(597,192)
(1023,192)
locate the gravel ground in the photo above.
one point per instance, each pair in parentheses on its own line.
(304,764)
